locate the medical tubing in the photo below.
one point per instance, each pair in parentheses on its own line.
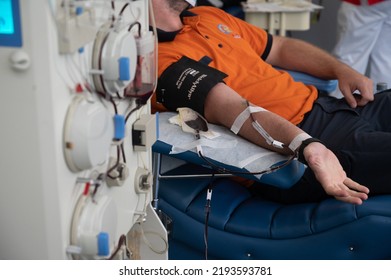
(207,213)
(224,170)
(270,140)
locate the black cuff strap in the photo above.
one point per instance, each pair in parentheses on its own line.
(186,83)
(305,143)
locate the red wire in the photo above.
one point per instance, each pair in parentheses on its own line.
(86,188)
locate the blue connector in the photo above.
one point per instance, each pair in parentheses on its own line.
(103,244)
(119,127)
(124,68)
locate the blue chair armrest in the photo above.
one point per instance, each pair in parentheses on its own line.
(322,85)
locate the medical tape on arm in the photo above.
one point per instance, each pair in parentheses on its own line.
(240,120)
(296,142)
(243,116)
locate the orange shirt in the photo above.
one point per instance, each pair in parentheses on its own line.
(236,49)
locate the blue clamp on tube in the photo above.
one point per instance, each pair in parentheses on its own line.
(124,68)
(103,244)
(119,127)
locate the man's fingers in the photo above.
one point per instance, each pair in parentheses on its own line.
(350,199)
(349,97)
(351,192)
(355,186)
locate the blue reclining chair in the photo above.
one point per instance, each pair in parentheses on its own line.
(241,225)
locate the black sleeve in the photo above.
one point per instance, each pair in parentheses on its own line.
(186,83)
(268,46)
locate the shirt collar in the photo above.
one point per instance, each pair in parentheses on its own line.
(164,36)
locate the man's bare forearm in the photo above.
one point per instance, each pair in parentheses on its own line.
(301,56)
(223,105)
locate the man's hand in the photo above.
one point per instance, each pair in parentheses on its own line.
(350,81)
(328,171)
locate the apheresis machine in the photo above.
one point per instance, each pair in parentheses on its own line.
(76,130)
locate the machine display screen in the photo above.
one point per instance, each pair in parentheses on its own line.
(10,25)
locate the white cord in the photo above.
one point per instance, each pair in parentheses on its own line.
(148,243)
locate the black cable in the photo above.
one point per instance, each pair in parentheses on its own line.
(139,27)
(132,111)
(113,16)
(114,166)
(224,170)
(123,9)
(98,183)
(100,67)
(123,152)
(121,242)
(207,213)
(210,187)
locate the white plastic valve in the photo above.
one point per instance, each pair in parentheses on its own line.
(143,180)
(115,59)
(20,61)
(97,227)
(88,133)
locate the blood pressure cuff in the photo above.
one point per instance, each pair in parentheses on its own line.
(186,83)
